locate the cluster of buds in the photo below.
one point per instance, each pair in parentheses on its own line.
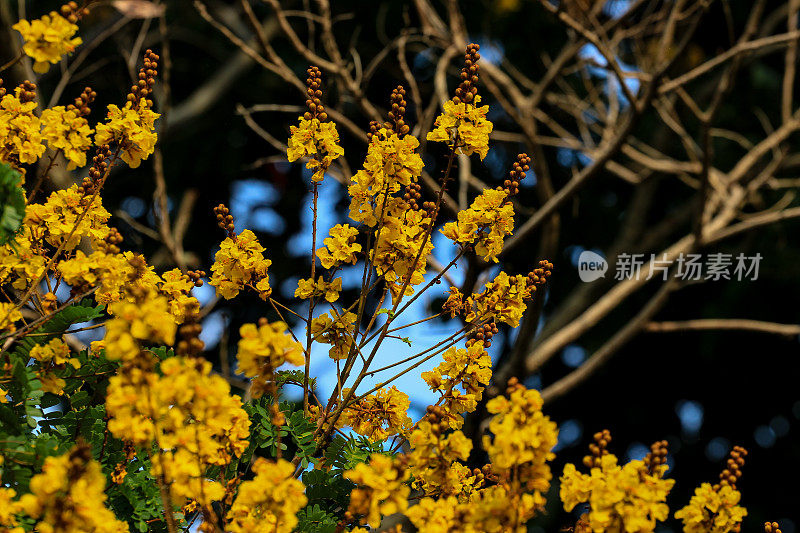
(598,449)
(412,195)
(91,183)
(82,103)
(430,209)
(2,89)
(225,220)
(73,13)
(196,277)
(483,333)
(112,241)
(437,416)
(539,276)
(190,344)
(314,93)
(27,91)
(396,114)
(516,174)
(468,88)
(657,456)
(513,385)
(771,527)
(733,469)
(147,78)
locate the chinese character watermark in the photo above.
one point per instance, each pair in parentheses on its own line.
(686,267)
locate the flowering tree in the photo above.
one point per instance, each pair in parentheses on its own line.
(138,431)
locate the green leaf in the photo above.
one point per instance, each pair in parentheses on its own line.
(12,200)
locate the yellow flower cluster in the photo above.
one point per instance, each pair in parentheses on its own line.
(621,498)
(319,141)
(65,129)
(487,221)
(502,300)
(338,333)
(269,502)
(396,255)
(308,288)
(470,369)
(712,510)
(47,39)
(238,263)
(8,508)
(381,491)
(391,162)
(145,318)
(69,496)
(378,415)
(263,349)
(464,127)
(21,262)
(191,416)
(432,458)
(66,217)
(177,287)
(492,510)
(132,129)
(20,135)
(9,314)
(522,440)
(51,357)
(340,247)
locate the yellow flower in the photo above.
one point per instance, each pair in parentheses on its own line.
(378,415)
(60,214)
(240,262)
(20,136)
(50,357)
(8,507)
(20,263)
(269,502)
(381,490)
(69,495)
(131,129)
(470,369)
(319,141)
(503,300)
(339,333)
(621,498)
(47,39)
(263,349)
(144,320)
(340,247)
(432,457)
(522,439)
(308,288)
(113,274)
(391,163)
(397,254)
(712,510)
(191,416)
(485,223)
(65,129)
(464,127)
(9,314)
